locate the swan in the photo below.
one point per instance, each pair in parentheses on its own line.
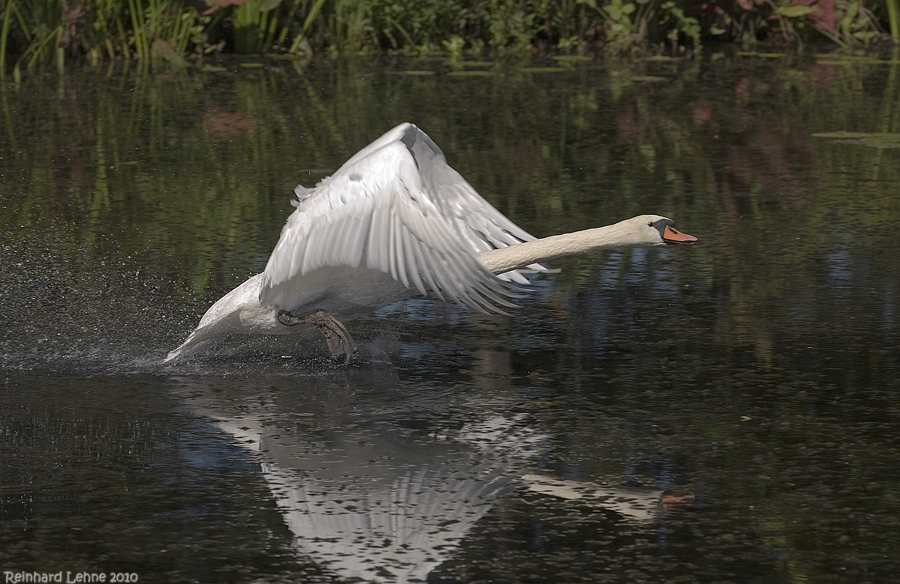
(394,220)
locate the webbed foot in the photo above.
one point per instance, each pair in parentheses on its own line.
(340,343)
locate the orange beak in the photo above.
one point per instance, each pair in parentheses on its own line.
(674,236)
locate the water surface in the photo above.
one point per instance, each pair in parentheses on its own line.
(726,412)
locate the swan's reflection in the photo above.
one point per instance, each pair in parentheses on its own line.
(375,501)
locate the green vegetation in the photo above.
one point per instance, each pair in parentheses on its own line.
(35,32)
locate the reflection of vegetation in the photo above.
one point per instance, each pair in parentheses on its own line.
(187,200)
(217,189)
(37,31)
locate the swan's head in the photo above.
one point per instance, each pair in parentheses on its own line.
(652,231)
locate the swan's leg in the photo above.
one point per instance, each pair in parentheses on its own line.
(339,341)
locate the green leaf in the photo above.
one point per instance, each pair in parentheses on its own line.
(796,10)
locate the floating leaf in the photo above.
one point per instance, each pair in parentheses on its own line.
(542,69)
(573,58)
(413,72)
(871,139)
(758,54)
(472,73)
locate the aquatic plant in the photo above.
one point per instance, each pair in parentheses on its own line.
(845,23)
(148,32)
(37,31)
(893,10)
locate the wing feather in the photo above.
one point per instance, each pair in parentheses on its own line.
(400,251)
(413,261)
(393,252)
(428,258)
(396,207)
(378,232)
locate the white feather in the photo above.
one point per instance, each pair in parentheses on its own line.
(397,208)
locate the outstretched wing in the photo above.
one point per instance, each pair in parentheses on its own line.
(396,207)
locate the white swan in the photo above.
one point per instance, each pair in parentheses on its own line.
(393,220)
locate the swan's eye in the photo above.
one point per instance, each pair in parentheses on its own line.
(650,224)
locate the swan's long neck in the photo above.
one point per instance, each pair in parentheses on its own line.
(520,255)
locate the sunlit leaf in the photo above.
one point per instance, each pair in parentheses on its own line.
(795,10)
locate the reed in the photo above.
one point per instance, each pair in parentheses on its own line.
(311,16)
(893,9)
(34,27)
(150,32)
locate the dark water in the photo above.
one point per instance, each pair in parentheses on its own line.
(726,412)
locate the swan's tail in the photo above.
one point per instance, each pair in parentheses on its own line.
(193,344)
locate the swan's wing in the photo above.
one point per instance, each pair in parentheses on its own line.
(396,207)
(481,225)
